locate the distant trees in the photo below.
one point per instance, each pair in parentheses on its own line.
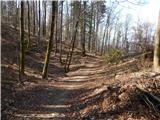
(89,26)
(142,36)
(156,62)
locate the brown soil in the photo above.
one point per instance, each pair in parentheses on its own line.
(91,90)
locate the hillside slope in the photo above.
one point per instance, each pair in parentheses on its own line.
(91,90)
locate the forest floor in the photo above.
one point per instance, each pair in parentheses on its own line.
(92,90)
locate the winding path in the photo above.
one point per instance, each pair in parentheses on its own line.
(52,99)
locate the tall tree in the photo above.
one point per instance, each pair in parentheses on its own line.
(67,23)
(60,49)
(56,29)
(76,17)
(84,30)
(103,41)
(22,51)
(44,17)
(156,62)
(39,29)
(50,43)
(34,18)
(90,28)
(29,38)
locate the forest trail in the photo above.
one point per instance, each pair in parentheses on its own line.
(52,98)
(39,98)
(90,90)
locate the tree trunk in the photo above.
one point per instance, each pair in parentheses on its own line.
(44,19)
(67,22)
(84,30)
(29,38)
(34,19)
(22,50)
(69,55)
(36,13)
(39,30)
(156,62)
(106,41)
(76,17)
(16,16)
(94,34)
(97,30)
(60,51)
(56,30)
(90,29)
(103,41)
(50,43)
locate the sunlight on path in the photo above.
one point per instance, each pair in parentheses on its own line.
(50,115)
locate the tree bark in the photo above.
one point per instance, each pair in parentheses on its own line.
(90,29)
(29,38)
(76,17)
(60,51)
(22,50)
(69,55)
(156,61)
(93,40)
(44,19)
(56,30)
(50,43)
(67,22)
(103,41)
(84,30)
(34,19)
(39,30)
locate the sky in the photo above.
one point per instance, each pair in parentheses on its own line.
(147,12)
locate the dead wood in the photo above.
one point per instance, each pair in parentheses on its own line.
(152,101)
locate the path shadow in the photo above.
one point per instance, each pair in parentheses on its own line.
(42,99)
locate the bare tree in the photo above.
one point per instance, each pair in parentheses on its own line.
(84,30)
(156,62)
(34,19)
(60,49)
(90,28)
(22,50)
(29,36)
(76,7)
(39,29)
(126,30)
(44,17)
(50,43)
(56,29)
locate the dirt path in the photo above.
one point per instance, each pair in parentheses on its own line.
(43,99)
(84,91)
(52,99)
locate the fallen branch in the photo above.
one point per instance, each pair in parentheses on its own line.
(152,101)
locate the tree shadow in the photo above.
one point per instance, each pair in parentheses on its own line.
(44,100)
(134,105)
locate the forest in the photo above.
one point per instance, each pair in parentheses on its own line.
(79,60)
